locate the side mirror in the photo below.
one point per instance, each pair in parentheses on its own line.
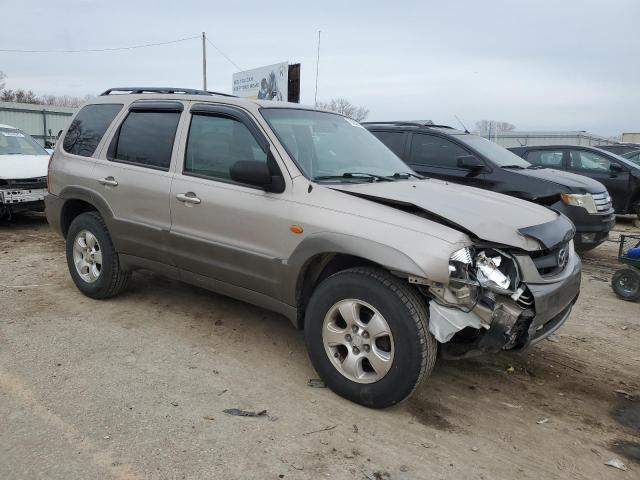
(614,167)
(469,162)
(256,174)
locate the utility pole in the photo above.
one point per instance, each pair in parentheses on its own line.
(204,61)
(315,98)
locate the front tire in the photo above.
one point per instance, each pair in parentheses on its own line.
(626,284)
(92,260)
(367,336)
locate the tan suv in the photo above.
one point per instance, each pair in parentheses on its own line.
(306,213)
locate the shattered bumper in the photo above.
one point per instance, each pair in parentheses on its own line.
(506,324)
(18,200)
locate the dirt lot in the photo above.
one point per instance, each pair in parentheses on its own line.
(134,387)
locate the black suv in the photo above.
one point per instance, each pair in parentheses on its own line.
(443,152)
(619,175)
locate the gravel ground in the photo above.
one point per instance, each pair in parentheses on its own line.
(135,387)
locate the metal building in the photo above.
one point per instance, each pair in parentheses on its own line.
(631,137)
(525,139)
(42,122)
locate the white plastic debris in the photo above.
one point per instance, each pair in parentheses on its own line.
(615,463)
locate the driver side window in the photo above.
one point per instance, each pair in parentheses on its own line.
(584,160)
(435,151)
(216,143)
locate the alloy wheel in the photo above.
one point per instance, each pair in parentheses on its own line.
(87,256)
(358,341)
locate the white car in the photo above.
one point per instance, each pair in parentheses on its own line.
(23,172)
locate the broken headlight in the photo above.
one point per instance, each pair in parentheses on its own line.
(496,271)
(488,268)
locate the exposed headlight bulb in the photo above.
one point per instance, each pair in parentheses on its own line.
(488,272)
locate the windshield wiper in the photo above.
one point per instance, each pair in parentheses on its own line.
(520,167)
(365,176)
(406,175)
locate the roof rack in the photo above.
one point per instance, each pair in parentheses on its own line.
(167,90)
(409,123)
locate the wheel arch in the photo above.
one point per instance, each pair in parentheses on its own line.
(321,256)
(77,200)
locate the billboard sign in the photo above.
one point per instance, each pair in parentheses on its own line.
(263,83)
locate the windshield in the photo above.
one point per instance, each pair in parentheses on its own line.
(15,142)
(494,152)
(633,156)
(330,147)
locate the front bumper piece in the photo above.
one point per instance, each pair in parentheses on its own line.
(508,325)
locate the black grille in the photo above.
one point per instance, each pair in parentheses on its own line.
(24,183)
(547,261)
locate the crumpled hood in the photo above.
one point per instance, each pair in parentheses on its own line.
(23,166)
(489,216)
(574,183)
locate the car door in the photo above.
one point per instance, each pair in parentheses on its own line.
(223,230)
(610,173)
(437,157)
(133,176)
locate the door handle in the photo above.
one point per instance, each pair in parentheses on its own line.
(110,181)
(188,197)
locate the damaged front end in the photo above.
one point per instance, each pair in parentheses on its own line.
(487,306)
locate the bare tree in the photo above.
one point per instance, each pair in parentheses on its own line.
(346,108)
(64,100)
(28,96)
(484,127)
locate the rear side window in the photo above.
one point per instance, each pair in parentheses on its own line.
(88,127)
(146,139)
(393,140)
(436,151)
(216,143)
(545,158)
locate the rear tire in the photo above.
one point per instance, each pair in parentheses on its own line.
(626,284)
(92,260)
(392,360)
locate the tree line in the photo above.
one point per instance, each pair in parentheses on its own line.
(21,95)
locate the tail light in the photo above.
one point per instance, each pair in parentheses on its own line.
(49,174)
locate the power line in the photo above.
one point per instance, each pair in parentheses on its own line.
(6,50)
(222,53)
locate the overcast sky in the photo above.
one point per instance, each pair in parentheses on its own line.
(541,65)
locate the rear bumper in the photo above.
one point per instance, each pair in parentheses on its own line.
(53,209)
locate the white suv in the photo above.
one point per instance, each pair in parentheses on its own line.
(23,172)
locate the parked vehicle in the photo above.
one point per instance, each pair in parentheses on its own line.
(633,156)
(621,148)
(305,213)
(440,151)
(619,175)
(23,172)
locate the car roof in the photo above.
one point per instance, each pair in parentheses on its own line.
(8,127)
(174,93)
(584,147)
(413,125)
